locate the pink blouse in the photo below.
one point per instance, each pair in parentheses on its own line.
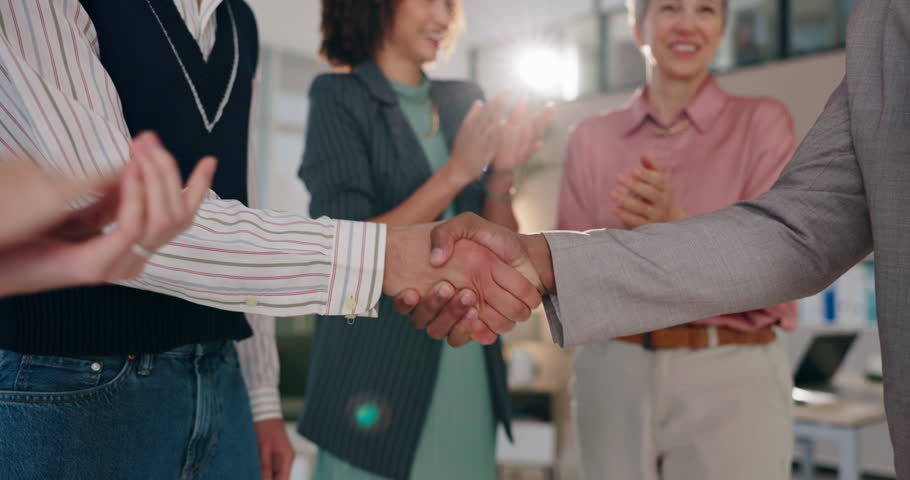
(734,150)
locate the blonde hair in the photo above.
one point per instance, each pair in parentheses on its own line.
(638,8)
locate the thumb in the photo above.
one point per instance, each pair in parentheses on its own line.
(443,238)
(468,226)
(199,183)
(649,163)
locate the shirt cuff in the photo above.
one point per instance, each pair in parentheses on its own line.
(265,403)
(355,284)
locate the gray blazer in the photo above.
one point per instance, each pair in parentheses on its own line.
(847,185)
(361,160)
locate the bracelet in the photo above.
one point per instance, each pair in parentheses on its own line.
(502,197)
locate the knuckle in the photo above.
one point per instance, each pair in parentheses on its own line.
(420,318)
(436,331)
(434,303)
(519,312)
(500,324)
(157,224)
(507,327)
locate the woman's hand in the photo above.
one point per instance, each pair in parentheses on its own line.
(477,142)
(109,240)
(648,198)
(522,136)
(169,207)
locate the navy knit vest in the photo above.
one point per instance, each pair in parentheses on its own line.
(155,95)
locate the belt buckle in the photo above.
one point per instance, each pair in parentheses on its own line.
(713,337)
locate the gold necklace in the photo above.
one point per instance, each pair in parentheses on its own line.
(678,127)
(434,121)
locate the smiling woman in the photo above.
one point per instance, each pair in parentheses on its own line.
(681,147)
(387,144)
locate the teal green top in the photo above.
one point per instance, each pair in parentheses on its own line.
(417,108)
(458,440)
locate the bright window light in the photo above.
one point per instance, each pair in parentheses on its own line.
(550,71)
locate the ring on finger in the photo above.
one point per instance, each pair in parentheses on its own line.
(140,251)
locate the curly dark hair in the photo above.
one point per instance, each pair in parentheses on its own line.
(352,30)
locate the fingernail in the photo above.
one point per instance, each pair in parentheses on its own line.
(410,299)
(444,292)
(436,256)
(467,299)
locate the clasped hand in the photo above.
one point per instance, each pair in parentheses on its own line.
(466,278)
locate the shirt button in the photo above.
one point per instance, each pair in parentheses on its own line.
(252,302)
(350,305)
(96,367)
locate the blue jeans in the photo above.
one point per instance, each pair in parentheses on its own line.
(179,415)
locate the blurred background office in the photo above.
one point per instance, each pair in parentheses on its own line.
(581,54)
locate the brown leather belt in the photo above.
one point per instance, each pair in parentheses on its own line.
(697,336)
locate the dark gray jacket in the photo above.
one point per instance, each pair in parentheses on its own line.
(361,160)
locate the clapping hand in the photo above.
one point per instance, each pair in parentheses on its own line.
(49,242)
(648,197)
(477,141)
(522,136)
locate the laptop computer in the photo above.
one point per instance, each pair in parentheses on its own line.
(826,353)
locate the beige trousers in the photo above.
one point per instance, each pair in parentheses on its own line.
(720,413)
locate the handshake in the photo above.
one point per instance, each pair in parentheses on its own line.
(466,278)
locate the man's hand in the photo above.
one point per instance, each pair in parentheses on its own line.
(276,455)
(503,296)
(454,308)
(528,254)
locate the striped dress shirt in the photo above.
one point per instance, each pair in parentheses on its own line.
(59,108)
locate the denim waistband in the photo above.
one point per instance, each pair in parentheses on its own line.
(198,349)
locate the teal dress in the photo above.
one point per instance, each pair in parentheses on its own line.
(458,440)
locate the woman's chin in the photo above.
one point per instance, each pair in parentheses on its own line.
(687,73)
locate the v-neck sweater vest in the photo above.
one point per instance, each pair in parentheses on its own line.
(155,94)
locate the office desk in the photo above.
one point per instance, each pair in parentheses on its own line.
(859,404)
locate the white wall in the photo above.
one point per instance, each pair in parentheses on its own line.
(288,24)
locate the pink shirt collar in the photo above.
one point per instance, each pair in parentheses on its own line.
(702,111)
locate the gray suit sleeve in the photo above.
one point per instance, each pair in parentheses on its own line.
(803,234)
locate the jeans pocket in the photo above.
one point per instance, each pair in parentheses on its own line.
(56,378)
